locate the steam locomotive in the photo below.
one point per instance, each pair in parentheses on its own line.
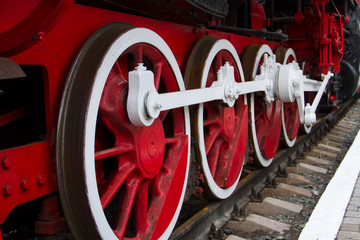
(113,113)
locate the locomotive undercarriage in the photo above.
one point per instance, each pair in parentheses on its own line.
(117,148)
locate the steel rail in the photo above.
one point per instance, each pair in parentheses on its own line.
(198,226)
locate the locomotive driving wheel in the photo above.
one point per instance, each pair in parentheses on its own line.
(265,116)
(290,112)
(220,130)
(117,180)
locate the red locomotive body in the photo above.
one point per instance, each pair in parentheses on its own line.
(66,126)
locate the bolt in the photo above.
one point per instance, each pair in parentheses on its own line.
(25,184)
(213,229)
(221,235)
(8,191)
(41,179)
(295,82)
(6,163)
(158,106)
(39,36)
(268,87)
(140,67)
(219,75)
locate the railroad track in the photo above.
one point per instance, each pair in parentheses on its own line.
(277,201)
(305,169)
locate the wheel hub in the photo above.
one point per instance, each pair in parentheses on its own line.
(229,121)
(152,147)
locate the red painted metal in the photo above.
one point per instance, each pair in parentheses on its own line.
(317,37)
(291,114)
(14,115)
(30,25)
(225,129)
(268,126)
(292,119)
(257,15)
(150,161)
(50,222)
(56,52)
(50,33)
(26,173)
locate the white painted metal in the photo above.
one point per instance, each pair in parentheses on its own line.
(289,142)
(285,82)
(145,103)
(311,85)
(263,51)
(292,84)
(217,192)
(123,42)
(325,80)
(268,73)
(309,114)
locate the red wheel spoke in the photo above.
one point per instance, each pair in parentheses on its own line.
(135,168)
(210,138)
(117,70)
(169,141)
(141,206)
(273,130)
(260,122)
(210,121)
(114,151)
(292,120)
(260,111)
(115,181)
(163,115)
(138,55)
(126,203)
(176,145)
(259,116)
(218,61)
(157,73)
(212,113)
(164,188)
(214,156)
(223,165)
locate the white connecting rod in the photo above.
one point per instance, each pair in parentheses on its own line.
(145,103)
(287,83)
(292,84)
(309,115)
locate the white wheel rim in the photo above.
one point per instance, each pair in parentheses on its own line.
(218,192)
(307,129)
(289,142)
(123,42)
(264,49)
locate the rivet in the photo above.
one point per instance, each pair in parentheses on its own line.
(25,184)
(41,179)
(5,162)
(39,36)
(8,191)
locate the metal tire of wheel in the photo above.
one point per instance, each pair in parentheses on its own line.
(265,118)
(117,180)
(221,131)
(290,112)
